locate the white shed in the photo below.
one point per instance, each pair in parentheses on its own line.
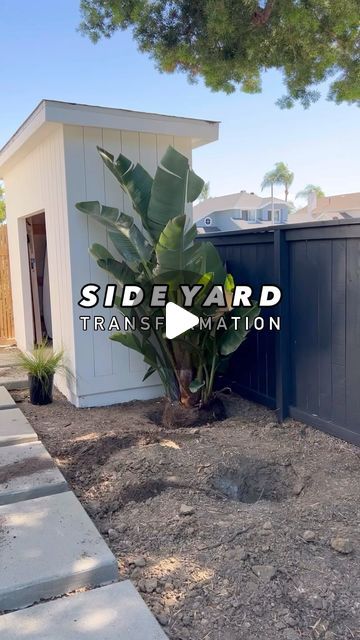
(48,165)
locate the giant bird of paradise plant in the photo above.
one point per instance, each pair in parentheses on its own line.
(164,251)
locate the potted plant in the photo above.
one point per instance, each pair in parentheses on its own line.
(41,365)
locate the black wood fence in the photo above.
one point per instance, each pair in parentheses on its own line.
(310,369)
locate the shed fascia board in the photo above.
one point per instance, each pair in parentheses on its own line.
(200,131)
(50,113)
(22,138)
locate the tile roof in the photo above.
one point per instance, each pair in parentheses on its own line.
(241,200)
(327,205)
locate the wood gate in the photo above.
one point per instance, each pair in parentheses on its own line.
(6,310)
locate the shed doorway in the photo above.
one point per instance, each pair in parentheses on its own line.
(39,277)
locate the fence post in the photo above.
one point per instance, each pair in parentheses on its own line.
(281,270)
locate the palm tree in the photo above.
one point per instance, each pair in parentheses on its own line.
(310,188)
(281,175)
(205,191)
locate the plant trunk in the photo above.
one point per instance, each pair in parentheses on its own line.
(185,375)
(41,393)
(286,193)
(176,415)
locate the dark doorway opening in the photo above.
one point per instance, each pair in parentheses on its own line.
(39,277)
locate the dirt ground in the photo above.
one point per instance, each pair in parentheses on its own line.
(242,530)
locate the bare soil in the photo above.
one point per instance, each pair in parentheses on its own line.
(238,530)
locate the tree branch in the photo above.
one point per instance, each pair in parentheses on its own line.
(261,16)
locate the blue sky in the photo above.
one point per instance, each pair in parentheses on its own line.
(43,56)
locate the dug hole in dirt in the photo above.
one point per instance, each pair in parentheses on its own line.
(238,530)
(175,415)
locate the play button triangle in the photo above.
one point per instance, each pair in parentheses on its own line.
(178,320)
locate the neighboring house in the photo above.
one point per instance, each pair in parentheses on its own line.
(341,207)
(238,211)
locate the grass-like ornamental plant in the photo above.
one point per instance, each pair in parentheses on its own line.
(164,251)
(41,364)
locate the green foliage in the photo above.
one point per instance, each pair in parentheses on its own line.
(41,363)
(310,188)
(166,253)
(2,205)
(229,43)
(280,175)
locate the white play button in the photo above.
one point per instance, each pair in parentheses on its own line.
(178,320)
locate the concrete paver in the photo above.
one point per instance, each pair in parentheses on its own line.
(6,401)
(9,356)
(49,547)
(14,381)
(114,612)
(14,428)
(27,471)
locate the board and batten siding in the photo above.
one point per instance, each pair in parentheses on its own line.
(36,183)
(107,372)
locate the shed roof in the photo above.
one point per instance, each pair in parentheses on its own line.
(50,113)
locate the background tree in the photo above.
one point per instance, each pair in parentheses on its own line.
(280,175)
(229,43)
(310,188)
(2,205)
(205,191)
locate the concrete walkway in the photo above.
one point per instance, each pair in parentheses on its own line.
(114,612)
(6,401)
(27,471)
(14,428)
(49,547)
(11,375)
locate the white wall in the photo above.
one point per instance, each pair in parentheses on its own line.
(62,169)
(37,183)
(106,371)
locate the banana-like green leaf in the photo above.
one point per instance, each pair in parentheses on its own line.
(196,385)
(151,355)
(229,283)
(128,251)
(128,312)
(119,270)
(133,178)
(125,248)
(212,263)
(174,185)
(126,236)
(206,281)
(107,216)
(149,373)
(143,347)
(133,245)
(99,252)
(127,340)
(232,338)
(175,250)
(137,243)
(195,185)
